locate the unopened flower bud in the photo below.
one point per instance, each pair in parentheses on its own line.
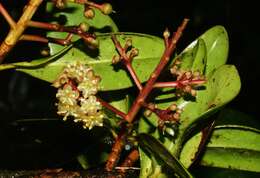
(147,113)
(90,74)
(176,116)
(60,4)
(45,52)
(128,43)
(106,8)
(196,75)
(134,52)
(174,69)
(96,80)
(89,13)
(187,89)
(92,43)
(173,107)
(152,106)
(84,26)
(115,59)
(188,74)
(166,33)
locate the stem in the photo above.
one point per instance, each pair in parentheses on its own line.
(150,83)
(15,33)
(177,83)
(34,38)
(7,17)
(130,160)
(116,150)
(134,76)
(112,108)
(127,62)
(43,25)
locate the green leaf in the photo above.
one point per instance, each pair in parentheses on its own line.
(35,63)
(150,48)
(213,172)
(239,149)
(152,145)
(236,138)
(216,41)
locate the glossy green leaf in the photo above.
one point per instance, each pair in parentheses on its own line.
(194,58)
(213,172)
(236,138)
(216,41)
(239,149)
(113,77)
(35,63)
(151,144)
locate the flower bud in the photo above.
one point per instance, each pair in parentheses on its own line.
(115,59)
(147,113)
(173,107)
(134,52)
(166,33)
(89,13)
(84,26)
(106,8)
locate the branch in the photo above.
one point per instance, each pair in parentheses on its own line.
(7,17)
(127,59)
(150,83)
(112,108)
(132,157)
(117,148)
(175,84)
(15,33)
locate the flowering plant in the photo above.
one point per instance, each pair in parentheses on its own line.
(155,104)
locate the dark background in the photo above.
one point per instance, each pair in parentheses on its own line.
(23,97)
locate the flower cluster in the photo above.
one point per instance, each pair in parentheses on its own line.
(188,81)
(77,87)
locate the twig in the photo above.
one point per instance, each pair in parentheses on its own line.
(15,33)
(150,83)
(7,17)
(112,108)
(178,83)
(126,60)
(130,160)
(116,150)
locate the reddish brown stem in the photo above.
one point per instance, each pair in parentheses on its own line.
(7,17)
(127,62)
(112,108)
(59,28)
(43,25)
(134,76)
(130,160)
(150,83)
(37,38)
(116,150)
(177,83)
